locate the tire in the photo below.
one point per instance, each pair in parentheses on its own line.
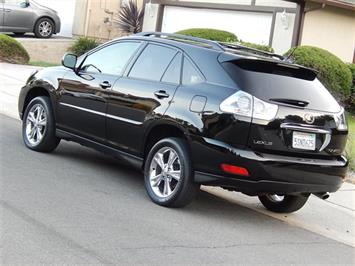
(38,126)
(44,28)
(19,34)
(283,204)
(179,178)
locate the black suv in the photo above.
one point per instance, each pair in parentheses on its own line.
(189,111)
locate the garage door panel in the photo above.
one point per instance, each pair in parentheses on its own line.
(248,26)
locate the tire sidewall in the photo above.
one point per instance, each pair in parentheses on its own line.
(186,172)
(49,131)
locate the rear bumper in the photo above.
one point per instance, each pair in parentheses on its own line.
(268,173)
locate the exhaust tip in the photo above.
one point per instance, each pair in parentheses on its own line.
(322,196)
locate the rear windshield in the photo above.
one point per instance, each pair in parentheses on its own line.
(269,81)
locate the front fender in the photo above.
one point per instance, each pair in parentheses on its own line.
(41,83)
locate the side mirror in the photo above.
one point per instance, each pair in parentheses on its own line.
(69,61)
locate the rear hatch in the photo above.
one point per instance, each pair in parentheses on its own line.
(308,116)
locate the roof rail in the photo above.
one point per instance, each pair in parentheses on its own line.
(209,43)
(219,46)
(233,46)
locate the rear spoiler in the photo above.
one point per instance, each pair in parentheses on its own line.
(269,66)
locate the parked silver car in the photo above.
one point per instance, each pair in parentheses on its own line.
(21,16)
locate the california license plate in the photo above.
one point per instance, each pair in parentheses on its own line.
(304,141)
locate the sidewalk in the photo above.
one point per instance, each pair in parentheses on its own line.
(333,218)
(12,79)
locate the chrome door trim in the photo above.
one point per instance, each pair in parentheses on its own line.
(102,114)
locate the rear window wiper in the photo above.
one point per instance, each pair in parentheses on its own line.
(298,103)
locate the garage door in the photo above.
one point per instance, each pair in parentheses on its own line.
(248,26)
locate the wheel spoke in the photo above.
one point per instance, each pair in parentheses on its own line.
(175,174)
(159,160)
(32,132)
(42,122)
(39,134)
(156,180)
(172,158)
(167,189)
(40,113)
(37,111)
(31,117)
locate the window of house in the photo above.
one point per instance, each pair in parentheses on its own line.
(152,63)
(111,59)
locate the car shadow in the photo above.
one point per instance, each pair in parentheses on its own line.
(123,174)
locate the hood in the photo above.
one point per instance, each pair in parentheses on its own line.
(34,3)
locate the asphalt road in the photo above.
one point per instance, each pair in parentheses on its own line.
(77,206)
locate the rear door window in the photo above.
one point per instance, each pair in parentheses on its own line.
(173,73)
(152,63)
(190,74)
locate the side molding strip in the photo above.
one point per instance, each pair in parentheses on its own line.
(102,114)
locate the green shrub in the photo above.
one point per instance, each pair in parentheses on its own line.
(351,100)
(210,34)
(333,73)
(83,45)
(222,36)
(261,47)
(12,51)
(352,70)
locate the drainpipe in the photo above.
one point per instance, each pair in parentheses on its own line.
(87,18)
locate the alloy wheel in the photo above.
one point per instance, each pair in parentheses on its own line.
(165,172)
(45,28)
(36,124)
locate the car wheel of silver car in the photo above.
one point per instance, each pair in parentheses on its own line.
(168,173)
(38,126)
(283,203)
(44,28)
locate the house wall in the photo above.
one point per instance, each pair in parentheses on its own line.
(330,28)
(95,18)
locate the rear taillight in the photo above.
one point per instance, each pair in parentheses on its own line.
(340,120)
(244,104)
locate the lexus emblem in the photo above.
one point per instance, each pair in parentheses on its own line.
(309,118)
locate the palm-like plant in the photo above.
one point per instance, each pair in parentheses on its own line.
(130,18)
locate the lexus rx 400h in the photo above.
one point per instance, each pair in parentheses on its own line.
(188,111)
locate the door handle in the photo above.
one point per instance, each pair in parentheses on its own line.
(7,10)
(161,94)
(105,84)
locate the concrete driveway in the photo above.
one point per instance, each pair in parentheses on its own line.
(79,206)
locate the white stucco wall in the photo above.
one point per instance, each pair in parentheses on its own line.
(65,9)
(332,29)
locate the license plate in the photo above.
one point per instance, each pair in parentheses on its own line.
(304,141)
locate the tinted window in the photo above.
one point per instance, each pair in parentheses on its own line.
(282,83)
(172,74)
(111,59)
(152,63)
(190,74)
